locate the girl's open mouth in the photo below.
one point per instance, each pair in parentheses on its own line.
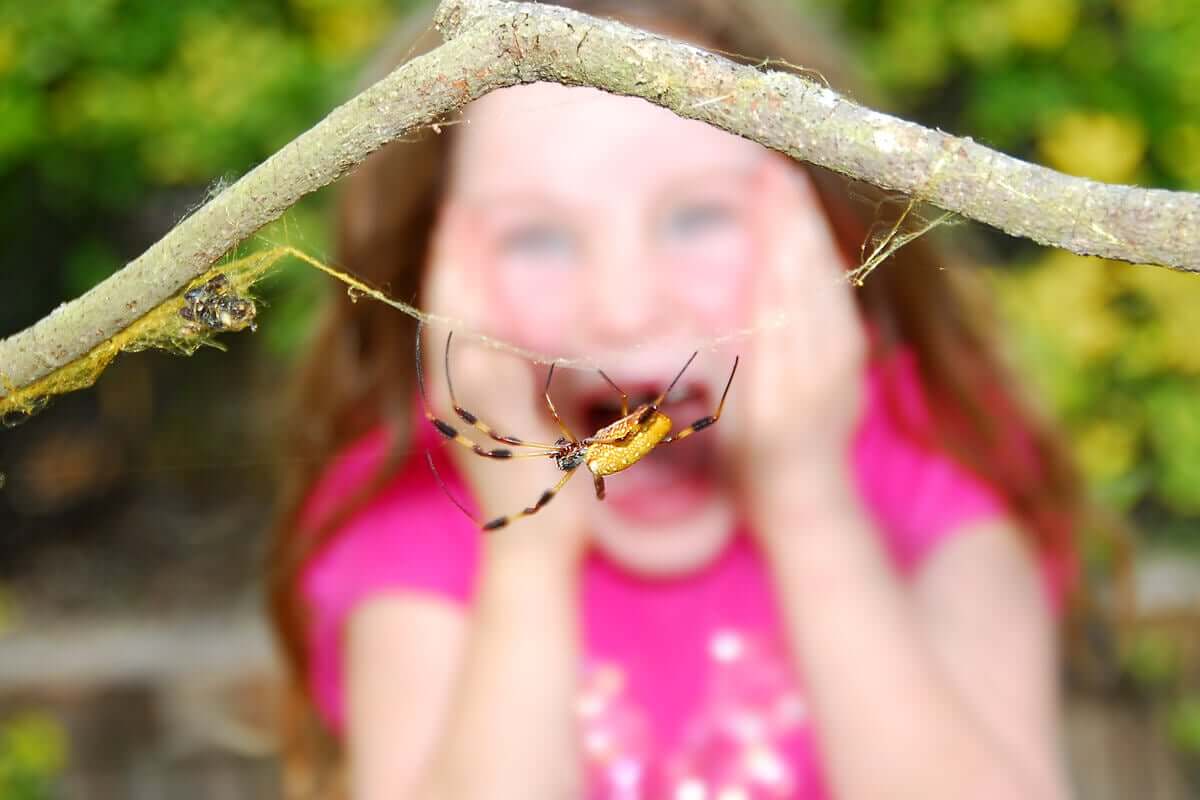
(672,480)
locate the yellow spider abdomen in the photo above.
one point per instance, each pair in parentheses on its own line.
(605,458)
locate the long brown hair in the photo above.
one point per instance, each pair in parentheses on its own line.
(357,372)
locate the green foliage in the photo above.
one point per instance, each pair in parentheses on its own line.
(33,750)
(1101,88)
(1185,725)
(1113,349)
(114,114)
(105,97)
(1152,659)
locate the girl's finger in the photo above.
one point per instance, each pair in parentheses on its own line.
(812,268)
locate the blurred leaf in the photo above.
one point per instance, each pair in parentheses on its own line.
(1152,658)
(912,52)
(89,263)
(1006,107)
(1179,151)
(21,123)
(33,751)
(1173,427)
(1184,724)
(980,32)
(1092,52)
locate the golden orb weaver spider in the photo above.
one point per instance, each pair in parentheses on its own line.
(615,447)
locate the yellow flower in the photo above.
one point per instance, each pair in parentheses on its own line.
(1174,298)
(347,32)
(1105,449)
(1042,24)
(1066,297)
(1097,145)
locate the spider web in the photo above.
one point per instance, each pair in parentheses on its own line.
(168,326)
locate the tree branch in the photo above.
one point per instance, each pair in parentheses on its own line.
(491,44)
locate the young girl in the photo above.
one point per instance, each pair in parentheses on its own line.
(844,587)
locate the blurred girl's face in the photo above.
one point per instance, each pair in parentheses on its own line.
(604,227)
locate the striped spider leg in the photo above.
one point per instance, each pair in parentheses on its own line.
(566,452)
(452,433)
(711,419)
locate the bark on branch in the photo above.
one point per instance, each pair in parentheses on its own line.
(491,44)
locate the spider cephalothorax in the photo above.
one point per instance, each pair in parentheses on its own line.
(615,447)
(570,455)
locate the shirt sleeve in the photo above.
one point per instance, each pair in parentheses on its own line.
(408,538)
(918,494)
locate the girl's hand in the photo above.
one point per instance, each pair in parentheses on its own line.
(511,729)
(802,391)
(505,392)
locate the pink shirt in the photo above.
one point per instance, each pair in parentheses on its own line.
(687,687)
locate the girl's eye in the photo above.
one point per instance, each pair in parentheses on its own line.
(693,220)
(539,242)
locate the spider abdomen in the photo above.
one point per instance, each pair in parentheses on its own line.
(635,435)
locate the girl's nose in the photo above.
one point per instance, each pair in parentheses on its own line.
(625,301)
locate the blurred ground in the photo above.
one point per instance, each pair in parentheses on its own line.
(134,658)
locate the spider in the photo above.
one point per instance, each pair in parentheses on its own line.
(216,307)
(615,447)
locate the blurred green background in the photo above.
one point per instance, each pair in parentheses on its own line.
(117,117)
(1104,89)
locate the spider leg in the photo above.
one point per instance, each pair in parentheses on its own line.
(658,401)
(438,476)
(620,391)
(704,422)
(445,428)
(554,412)
(599,483)
(547,496)
(471,419)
